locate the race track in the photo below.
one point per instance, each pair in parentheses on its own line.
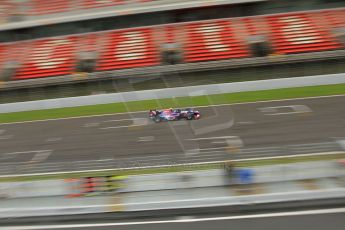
(249,129)
(330,219)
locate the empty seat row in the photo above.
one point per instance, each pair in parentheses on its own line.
(294,33)
(42,7)
(128,49)
(58,56)
(212,41)
(199,41)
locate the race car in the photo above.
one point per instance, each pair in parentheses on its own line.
(174,114)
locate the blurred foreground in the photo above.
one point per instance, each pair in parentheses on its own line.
(230,186)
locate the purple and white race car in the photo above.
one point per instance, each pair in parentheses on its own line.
(174,114)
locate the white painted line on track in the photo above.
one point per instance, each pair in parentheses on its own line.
(202,155)
(54,139)
(146,139)
(135,123)
(38,154)
(183,220)
(312,144)
(32,151)
(40,157)
(245,122)
(219,142)
(92,124)
(205,106)
(119,127)
(288,156)
(6,137)
(341,143)
(119,120)
(295,109)
(171,165)
(287,113)
(212,138)
(263,149)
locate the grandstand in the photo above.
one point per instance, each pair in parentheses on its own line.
(45,43)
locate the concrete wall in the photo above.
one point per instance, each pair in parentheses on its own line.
(173,92)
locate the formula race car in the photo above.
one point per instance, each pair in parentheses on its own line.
(174,114)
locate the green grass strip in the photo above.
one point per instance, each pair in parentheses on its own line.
(264,95)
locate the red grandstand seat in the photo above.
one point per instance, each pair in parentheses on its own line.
(333,18)
(39,7)
(2,56)
(101,3)
(49,57)
(13,53)
(170,34)
(212,41)
(8,8)
(16,51)
(295,33)
(128,49)
(201,41)
(88,42)
(250,25)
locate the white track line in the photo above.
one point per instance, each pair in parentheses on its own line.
(212,138)
(186,220)
(6,137)
(120,127)
(288,156)
(171,165)
(219,105)
(118,120)
(31,151)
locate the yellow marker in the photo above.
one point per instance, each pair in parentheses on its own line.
(116,204)
(79,75)
(309,184)
(233,149)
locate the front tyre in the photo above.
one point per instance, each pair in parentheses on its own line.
(190,116)
(157,119)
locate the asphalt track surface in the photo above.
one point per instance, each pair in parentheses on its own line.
(259,129)
(316,221)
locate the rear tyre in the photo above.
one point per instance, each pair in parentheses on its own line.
(157,119)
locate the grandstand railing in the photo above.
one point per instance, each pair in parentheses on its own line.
(76,13)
